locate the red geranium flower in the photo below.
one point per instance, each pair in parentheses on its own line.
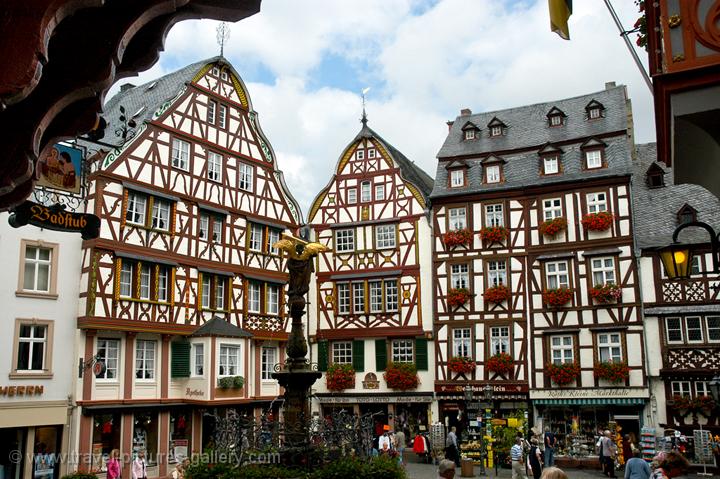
(606,293)
(615,372)
(598,221)
(458,296)
(402,376)
(562,374)
(339,377)
(501,363)
(553,226)
(557,297)
(461,237)
(497,294)
(494,234)
(461,364)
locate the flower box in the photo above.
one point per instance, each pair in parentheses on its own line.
(557,297)
(461,237)
(606,293)
(497,294)
(458,296)
(553,227)
(461,364)
(681,402)
(704,403)
(339,377)
(562,374)
(615,372)
(231,382)
(598,221)
(494,234)
(501,363)
(401,376)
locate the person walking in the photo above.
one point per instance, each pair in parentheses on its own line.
(400,442)
(534,459)
(549,441)
(637,468)
(452,451)
(139,466)
(113,465)
(516,456)
(609,452)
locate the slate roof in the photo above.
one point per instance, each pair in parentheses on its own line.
(655,209)
(221,328)
(528,132)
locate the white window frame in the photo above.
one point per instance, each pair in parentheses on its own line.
(492,174)
(499,340)
(254,296)
(457,218)
(246,177)
(459,275)
(494,215)
(145,282)
(497,273)
(551,164)
(198,360)
(552,208)
(496,130)
(403,350)
(699,328)
(112,361)
(222,116)
(34,265)
(702,388)
(380,192)
(161,211)
(268,359)
(360,154)
(365,192)
(34,341)
(358,297)
(206,290)
(457,178)
(180,154)
(610,347)
(256,237)
(671,329)
(163,283)
(603,270)
(385,236)
(594,113)
(342,352)
(352,196)
(593,159)
(136,208)
(681,388)
(214,170)
(217,229)
(345,240)
(391,295)
(710,329)
(225,366)
(273,237)
(371,153)
(343,298)
(375,288)
(212,107)
(596,202)
(204,227)
(219,293)
(272,299)
(470,134)
(126,280)
(557,274)
(145,363)
(555,120)
(562,349)
(462,344)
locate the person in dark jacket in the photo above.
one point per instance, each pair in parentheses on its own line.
(534,458)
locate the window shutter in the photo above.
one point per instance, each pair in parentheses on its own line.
(358,358)
(180,359)
(322,355)
(421,354)
(380,354)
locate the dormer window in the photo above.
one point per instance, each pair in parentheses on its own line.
(556,120)
(594,110)
(493,169)
(496,130)
(686,214)
(470,131)
(593,152)
(593,159)
(496,127)
(594,113)
(655,176)
(469,134)
(492,174)
(551,165)
(457,178)
(556,117)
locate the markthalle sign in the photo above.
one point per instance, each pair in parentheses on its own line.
(55,218)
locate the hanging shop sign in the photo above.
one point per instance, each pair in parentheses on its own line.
(371,381)
(55,218)
(61,168)
(11,391)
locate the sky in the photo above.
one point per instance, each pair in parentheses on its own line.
(306,62)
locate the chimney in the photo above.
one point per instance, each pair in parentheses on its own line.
(609,85)
(126,86)
(465,112)
(450,124)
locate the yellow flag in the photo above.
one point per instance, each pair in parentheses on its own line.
(560,11)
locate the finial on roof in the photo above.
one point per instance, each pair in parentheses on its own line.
(364,115)
(223,34)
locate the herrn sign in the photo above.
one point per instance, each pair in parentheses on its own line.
(55,218)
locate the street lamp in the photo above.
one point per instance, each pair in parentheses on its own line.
(488,392)
(677,257)
(714,386)
(468,392)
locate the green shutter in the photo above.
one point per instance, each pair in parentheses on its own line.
(421,354)
(380,354)
(180,359)
(358,358)
(322,355)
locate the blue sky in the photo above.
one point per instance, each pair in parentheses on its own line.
(305,64)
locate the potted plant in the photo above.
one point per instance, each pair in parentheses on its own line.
(704,403)
(462,237)
(562,374)
(458,296)
(339,377)
(231,382)
(402,376)
(553,227)
(615,372)
(681,402)
(557,297)
(501,363)
(494,234)
(461,364)
(600,221)
(497,294)
(606,293)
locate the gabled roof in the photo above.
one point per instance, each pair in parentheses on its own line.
(492,159)
(219,327)
(470,126)
(594,104)
(496,122)
(456,164)
(556,111)
(591,142)
(655,169)
(549,148)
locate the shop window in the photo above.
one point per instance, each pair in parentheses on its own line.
(556,274)
(106,437)
(603,270)
(145,435)
(457,219)
(229,364)
(561,349)
(145,359)
(246,177)
(596,202)
(552,208)
(46,458)
(180,445)
(268,360)
(345,240)
(494,215)
(499,340)
(609,347)
(198,359)
(144,281)
(402,350)
(38,269)
(497,274)
(461,343)
(108,352)
(214,292)
(459,276)
(342,352)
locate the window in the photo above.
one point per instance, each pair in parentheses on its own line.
(342,352)
(365,191)
(674,330)
(496,273)
(375,288)
(246,177)
(383,296)
(212,107)
(695,265)
(222,117)
(391,295)
(229,360)
(38,272)
(213,291)
(686,214)
(713,328)
(494,215)
(148,211)
(556,274)
(385,236)
(254,297)
(344,240)
(596,202)
(461,343)
(180,154)
(457,178)
(593,159)
(272,299)
(556,120)
(456,219)
(371,153)
(262,238)
(680,388)
(552,208)
(693,327)
(224,75)
(214,169)
(136,207)
(379,192)
(603,271)
(198,359)
(469,134)
(216,71)
(144,281)
(32,348)
(702,388)
(268,360)
(609,347)
(492,174)
(459,276)
(343,298)
(273,236)
(352,196)
(256,234)
(360,154)
(561,349)
(144,359)
(108,352)
(210,222)
(551,165)
(358,293)
(496,130)
(402,350)
(499,340)
(594,113)
(160,214)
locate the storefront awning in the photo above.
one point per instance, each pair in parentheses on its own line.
(591,401)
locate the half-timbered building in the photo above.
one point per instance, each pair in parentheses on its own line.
(182,294)
(682,318)
(371,299)
(535,282)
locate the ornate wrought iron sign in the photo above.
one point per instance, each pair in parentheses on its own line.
(55,218)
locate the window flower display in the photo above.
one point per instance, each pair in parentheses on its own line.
(613,371)
(562,374)
(461,364)
(600,221)
(557,297)
(606,293)
(497,294)
(501,363)
(553,227)
(402,376)
(461,237)
(494,234)
(339,377)
(458,296)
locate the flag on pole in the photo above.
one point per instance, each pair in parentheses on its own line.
(560,11)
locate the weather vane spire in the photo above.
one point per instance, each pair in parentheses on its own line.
(223,34)
(364,115)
